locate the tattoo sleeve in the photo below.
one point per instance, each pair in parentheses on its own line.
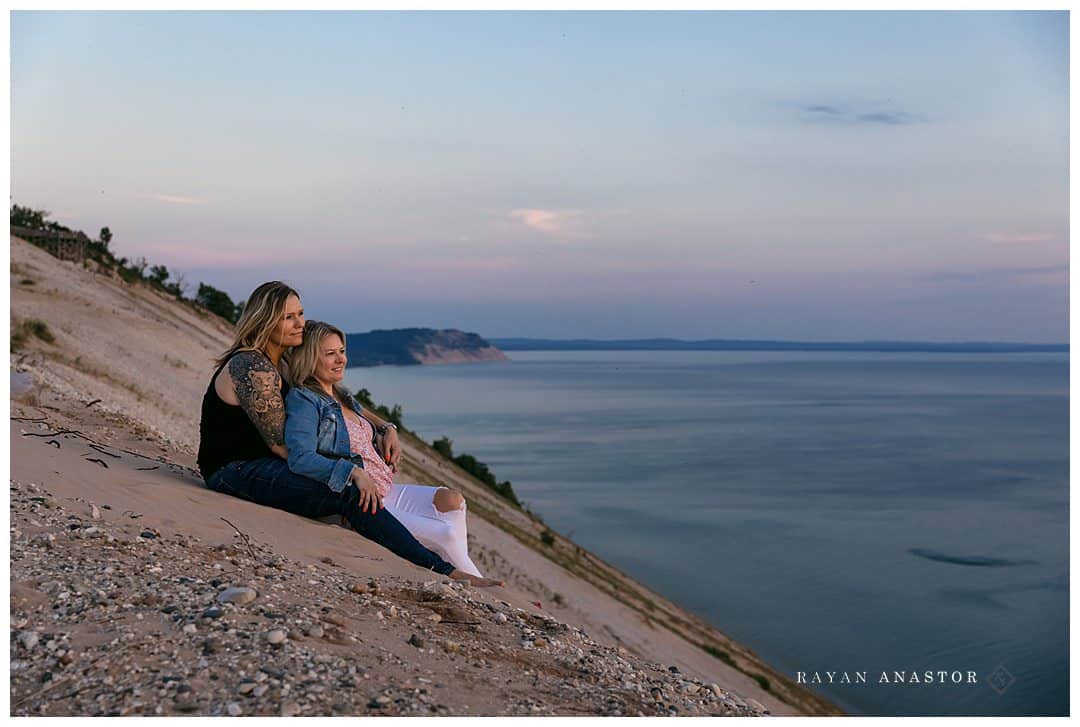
(258,387)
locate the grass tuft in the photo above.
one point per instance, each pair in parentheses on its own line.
(22,331)
(719,654)
(40,329)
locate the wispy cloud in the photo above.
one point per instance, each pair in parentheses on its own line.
(169,198)
(228,254)
(565,224)
(822,109)
(837,114)
(1021,237)
(476,264)
(995,274)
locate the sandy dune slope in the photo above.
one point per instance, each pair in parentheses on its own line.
(125,374)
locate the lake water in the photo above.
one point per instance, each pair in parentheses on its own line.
(857,512)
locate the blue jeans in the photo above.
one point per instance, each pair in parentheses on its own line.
(268,481)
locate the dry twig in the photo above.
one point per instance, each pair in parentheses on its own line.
(38,693)
(246,539)
(102,449)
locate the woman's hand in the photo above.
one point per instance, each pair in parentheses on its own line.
(392,447)
(369,491)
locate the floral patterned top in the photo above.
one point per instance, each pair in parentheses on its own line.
(360,434)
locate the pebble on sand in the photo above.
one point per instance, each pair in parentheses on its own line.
(29,639)
(238,595)
(22,382)
(756,705)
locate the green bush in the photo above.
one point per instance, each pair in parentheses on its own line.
(547,538)
(217,301)
(504,490)
(444,446)
(29,218)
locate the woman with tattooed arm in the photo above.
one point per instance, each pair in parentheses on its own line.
(242,434)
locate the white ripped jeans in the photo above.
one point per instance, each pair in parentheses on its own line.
(442,532)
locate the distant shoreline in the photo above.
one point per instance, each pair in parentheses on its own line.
(671,344)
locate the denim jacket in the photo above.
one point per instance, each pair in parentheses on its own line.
(317,438)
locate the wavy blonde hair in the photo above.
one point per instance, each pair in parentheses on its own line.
(262,313)
(304,358)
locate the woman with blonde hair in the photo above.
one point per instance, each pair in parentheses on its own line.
(242,448)
(331,438)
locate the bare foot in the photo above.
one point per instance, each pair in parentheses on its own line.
(460,575)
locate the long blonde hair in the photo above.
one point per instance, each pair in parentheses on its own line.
(262,312)
(304,358)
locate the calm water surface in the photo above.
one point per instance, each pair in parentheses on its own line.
(832,511)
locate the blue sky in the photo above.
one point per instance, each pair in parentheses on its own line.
(820,176)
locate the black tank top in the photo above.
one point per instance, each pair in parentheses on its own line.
(226,434)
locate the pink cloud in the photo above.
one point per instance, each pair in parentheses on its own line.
(1020,237)
(170,198)
(566,224)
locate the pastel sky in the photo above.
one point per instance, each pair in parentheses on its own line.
(796,175)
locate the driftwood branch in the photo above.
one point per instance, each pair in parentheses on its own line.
(83,435)
(51,434)
(246,539)
(103,450)
(38,693)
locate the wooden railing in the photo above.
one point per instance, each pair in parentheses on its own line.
(61,244)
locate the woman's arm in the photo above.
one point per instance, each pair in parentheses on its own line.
(301,438)
(257,388)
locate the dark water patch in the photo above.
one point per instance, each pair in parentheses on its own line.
(987,597)
(972,560)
